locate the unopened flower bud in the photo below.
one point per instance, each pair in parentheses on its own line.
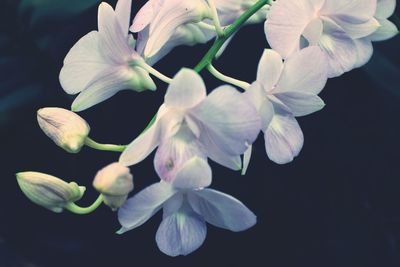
(114,182)
(49,191)
(67,129)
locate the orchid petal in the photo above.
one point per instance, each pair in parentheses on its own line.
(170,16)
(181,233)
(304,71)
(186,90)
(385,8)
(246,159)
(228,119)
(141,207)
(386,31)
(301,103)
(313,31)
(222,210)
(285,24)
(194,174)
(144,144)
(354,28)
(364,51)
(113,41)
(123,14)
(145,15)
(283,137)
(82,63)
(362,10)
(269,69)
(173,204)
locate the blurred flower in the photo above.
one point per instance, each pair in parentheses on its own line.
(333,25)
(49,191)
(114,182)
(284,91)
(187,206)
(67,129)
(104,62)
(219,126)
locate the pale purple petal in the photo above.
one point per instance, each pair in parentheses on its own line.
(142,206)
(173,204)
(269,69)
(186,90)
(313,31)
(123,14)
(113,41)
(340,49)
(246,159)
(362,10)
(144,144)
(194,174)
(181,233)
(304,71)
(285,24)
(386,31)
(354,28)
(82,63)
(364,51)
(283,138)
(222,210)
(385,8)
(228,119)
(145,15)
(301,103)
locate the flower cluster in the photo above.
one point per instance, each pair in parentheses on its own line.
(310,41)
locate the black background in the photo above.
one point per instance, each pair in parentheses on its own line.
(337,204)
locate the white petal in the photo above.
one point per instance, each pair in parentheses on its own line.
(362,10)
(173,204)
(123,13)
(246,159)
(256,94)
(222,210)
(103,86)
(142,206)
(386,31)
(313,31)
(364,51)
(186,90)
(113,42)
(82,63)
(283,138)
(269,69)
(144,144)
(229,120)
(194,174)
(145,15)
(285,23)
(304,71)
(181,233)
(356,29)
(340,49)
(171,15)
(385,8)
(300,103)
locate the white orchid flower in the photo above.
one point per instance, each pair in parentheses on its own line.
(103,62)
(219,126)
(187,206)
(189,23)
(284,91)
(334,25)
(386,30)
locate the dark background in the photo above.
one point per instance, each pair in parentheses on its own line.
(336,205)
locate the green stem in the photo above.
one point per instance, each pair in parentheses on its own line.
(104,147)
(72,207)
(225,78)
(231,29)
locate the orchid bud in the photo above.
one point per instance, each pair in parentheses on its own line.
(49,191)
(114,182)
(67,129)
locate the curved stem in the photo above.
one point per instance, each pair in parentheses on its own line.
(156,73)
(72,207)
(215,18)
(231,29)
(225,78)
(104,147)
